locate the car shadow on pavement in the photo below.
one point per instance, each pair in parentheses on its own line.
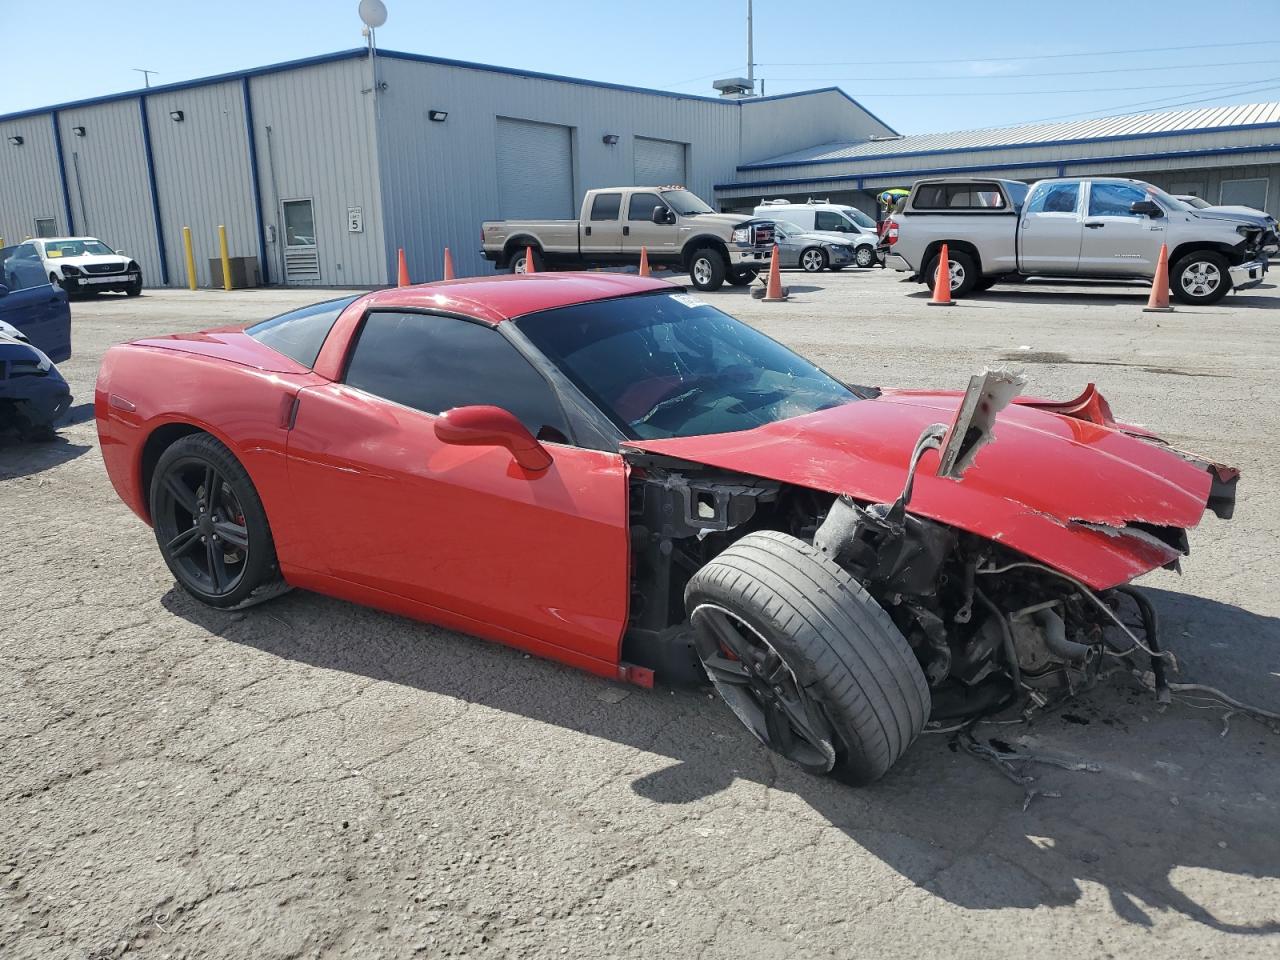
(1170,814)
(26,458)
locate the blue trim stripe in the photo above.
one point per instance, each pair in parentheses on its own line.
(1059,165)
(253,179)
(155,194)
(1024,145)
(62,175)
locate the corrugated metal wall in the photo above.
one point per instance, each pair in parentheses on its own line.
(315,137)
(29,187)
(202,175)
(440,179)
(107,180)
(771,127)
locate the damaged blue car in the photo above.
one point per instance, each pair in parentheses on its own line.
(35,333)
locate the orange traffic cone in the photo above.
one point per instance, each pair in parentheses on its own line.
(644,262)
(1158,302)
(774,292)
(403,280)
(942,282)
(528,260)
(448,264)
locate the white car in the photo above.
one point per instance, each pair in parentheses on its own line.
(82,264)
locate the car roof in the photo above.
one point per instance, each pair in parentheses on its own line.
(495,299)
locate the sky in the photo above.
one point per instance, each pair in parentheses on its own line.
(927,66)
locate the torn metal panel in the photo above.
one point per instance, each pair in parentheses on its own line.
(974,424)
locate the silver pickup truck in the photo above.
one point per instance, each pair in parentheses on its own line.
(675,227)
(1092,227)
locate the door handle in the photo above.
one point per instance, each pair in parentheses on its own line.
(1095,225)
(586,231)
(626,231)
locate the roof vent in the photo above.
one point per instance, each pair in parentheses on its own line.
(735,88)
(894,136)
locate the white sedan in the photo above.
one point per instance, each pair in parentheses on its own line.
(82,264)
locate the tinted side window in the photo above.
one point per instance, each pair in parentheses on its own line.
(642,205)
(958,196)
(606,206)
(20,269)
(1054,198)
(435,363)
(1113,199)
(299,334)
(826,220)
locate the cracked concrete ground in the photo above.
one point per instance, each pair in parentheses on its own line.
(313,779)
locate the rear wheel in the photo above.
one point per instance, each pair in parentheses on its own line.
(865,256)
(741,277)
(805,658)
(813,260)
(964,272)
(211,527)
(519,260)
(1202,277)
(707,268)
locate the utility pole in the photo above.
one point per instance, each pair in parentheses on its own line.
(751,59)
(146,76)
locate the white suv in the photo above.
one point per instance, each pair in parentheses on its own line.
(83,264)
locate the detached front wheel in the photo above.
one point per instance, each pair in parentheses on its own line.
(806,659)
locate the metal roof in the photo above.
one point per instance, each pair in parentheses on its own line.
(1128,127)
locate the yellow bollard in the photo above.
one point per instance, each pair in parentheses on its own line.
(191,258)
(226,260)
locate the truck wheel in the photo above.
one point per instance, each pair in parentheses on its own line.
(707,268)
(813,260)
(740,277)
(518,264)
(865,256)
(808,661)
(964,272)
(1202,277)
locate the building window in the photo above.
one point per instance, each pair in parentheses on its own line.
(1244,193)
(46,227)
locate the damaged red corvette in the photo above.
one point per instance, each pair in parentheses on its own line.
(606,471)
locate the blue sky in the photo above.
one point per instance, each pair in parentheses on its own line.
(976,63)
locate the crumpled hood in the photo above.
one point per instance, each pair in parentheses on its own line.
(1058,489)
(95,259)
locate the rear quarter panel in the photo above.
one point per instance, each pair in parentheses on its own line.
(553,236)
(143,388)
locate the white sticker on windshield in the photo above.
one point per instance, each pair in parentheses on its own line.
(687,300)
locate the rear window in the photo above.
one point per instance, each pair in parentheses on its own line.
(299,334)
(958,196)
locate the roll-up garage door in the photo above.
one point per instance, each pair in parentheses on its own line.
(659,162)
(535,170)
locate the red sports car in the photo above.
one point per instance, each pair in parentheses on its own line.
(606,471)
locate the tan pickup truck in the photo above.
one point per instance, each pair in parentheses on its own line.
(674,226)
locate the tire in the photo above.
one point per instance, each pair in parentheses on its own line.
(182,516)
(707,269)
(813,260)
(134,289)
(1202,277)
(964,272)
(865,257)
(517,264)
(844,659)
(741,277)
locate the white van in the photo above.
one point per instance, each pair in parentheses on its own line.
(834,219)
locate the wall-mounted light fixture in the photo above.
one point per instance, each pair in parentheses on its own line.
(176,116)
(78,131)
(611,138)
(439,116)
(16,141)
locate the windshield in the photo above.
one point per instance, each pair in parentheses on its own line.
(860,218)
(668,365)
(685,203)
(74,248)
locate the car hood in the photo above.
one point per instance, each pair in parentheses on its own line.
(1234,216)
(1085,499)
(726,220)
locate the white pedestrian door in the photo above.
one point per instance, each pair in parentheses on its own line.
(301,258)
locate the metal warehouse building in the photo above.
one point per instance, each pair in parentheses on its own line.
(1228,155)
(320,174)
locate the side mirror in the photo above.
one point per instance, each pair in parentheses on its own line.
(1148,208)
(662,215)
(485,426)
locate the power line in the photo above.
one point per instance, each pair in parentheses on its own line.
(1162,103)
(1038,56)
(1040,93)
(881,78)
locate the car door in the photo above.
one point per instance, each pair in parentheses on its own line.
(388,506)
(1117,242)
(1049,233)
(829,221)
(32,304)
(660,239)
(602,231)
